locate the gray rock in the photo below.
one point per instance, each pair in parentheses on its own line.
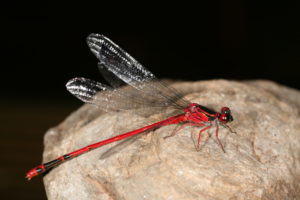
(262,161)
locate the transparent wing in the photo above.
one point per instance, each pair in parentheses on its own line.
(151,91)
(101,95)
(112,79)
(118,61)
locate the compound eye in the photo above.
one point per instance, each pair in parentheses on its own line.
(224,117)
(225,110)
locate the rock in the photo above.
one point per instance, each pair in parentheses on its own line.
(262,161)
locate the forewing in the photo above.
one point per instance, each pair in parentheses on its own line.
(121,64)
(117,60)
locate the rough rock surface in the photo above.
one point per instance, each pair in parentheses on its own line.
(262,161)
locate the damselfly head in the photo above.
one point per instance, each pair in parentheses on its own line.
(225,115)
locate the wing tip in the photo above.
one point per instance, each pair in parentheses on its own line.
(74,82)
(95,42)
(94,38)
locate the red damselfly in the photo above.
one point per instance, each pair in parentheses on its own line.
(119,67)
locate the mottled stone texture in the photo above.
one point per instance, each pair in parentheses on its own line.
(262,161)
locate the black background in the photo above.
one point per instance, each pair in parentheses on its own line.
(43,46)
